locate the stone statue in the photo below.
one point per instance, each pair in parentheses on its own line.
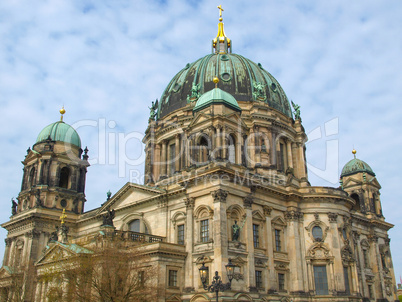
(297,111)
(54,235)
(236,230)
(259,91)
(63,234)
(38,202)
(153,108)
(195,93)
(75,206)
(108,218)
(14,206)
(195,90)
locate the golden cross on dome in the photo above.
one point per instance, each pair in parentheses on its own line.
(63,216)
(220,12)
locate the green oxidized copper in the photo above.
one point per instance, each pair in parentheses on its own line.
(195,93)
(259,91)
(153,108)
(356,166)
(238,77)
(297,111)
(61,132)
(216,96)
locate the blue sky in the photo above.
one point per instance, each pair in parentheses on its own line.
(107,60)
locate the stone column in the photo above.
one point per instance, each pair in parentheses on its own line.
(310,270)
(251,148)
(272,281)
(273,158)
(38,291)
(164,159)
(189,281)
(377,270)
(183,151)
(250,281)
(289,149)
(157,167)
(257,143)
(220,235)
(218,152)
(239,143)
(177,155)
(301,171)
(331,281)
(8,242)
(224,146)
(294,250)
(336,250)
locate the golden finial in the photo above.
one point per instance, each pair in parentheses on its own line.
(62,111)
(216,81)
(63,216)
(354,153)
(220,12)
(221,37)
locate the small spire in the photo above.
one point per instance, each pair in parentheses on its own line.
(63,216)
(221,43)
(354,152)
(62,111)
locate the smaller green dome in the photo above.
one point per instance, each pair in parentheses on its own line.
(60,132)
(356,166)
(216,96)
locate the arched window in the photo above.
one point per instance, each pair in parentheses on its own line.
(31,180)
(356,198)
(134,225)
(64,177)
(231,150)
(204,151)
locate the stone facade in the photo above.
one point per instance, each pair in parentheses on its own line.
(220,184)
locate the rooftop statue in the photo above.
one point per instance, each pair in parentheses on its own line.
(297,111)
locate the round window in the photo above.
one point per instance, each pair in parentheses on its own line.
(225,76)
(317,232)
(63,203)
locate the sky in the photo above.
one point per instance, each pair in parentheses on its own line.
(106,61)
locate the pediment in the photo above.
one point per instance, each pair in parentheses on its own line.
(258,215)
(350,182)
(199,118)
(60,252)
(278,220)
(173,298)
(374,182)
(129,194)
(5,272)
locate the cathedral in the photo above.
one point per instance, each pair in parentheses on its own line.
(226,190)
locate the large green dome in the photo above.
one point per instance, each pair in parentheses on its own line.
(60,132)
(240,77)
(355,166)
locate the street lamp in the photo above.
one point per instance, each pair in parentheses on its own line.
(217,285)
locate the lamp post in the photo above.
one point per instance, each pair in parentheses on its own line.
(217,285)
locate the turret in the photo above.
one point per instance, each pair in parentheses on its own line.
(54,170)
(358,179)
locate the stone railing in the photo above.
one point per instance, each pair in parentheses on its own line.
(139,237)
